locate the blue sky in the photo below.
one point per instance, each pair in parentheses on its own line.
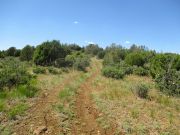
(154,23)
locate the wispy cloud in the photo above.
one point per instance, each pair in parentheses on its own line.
(127,42)
(89,42)
(75,22)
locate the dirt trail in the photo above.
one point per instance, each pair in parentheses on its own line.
(85,123)
(42,119)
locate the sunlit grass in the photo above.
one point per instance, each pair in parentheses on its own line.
(158,113)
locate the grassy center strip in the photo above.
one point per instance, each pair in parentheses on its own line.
(66,104)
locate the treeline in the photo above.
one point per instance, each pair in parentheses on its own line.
(164,68)
(48,56)
(51,53)
(118,61)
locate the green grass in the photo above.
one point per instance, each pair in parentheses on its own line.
(3,95)
(17,110)
(67,93)
(67,98)
(5,130)
(2,106)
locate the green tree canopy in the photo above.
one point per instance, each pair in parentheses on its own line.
(135,58)
(27,53)
(11,51)
(93,49)
(48,52)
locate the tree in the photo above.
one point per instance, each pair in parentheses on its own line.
(74,47)
(2,54)
(27,53)
(11,51)
(48,52)
(160,63)
(101,54)
(135,58)
(17,53)
(92,49)
(118,50)
(78,61)
(136,48)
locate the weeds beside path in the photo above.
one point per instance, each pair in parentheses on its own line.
(41,117)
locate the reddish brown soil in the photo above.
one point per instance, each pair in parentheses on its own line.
(42,114)
(85,123)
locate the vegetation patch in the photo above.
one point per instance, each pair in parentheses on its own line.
(39,70)
(142,90)
(17,110)
(113,72)
(67,99)
(132,115)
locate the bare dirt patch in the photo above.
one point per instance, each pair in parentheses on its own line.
(41,117)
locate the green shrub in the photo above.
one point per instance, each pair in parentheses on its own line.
(66,70)
(78,61)
(92,49)
(13,73)
(124,67)
(27,90)
(113,72)
(81,63)
(140,71)
(142,90)
(101,54)
(27,53)
(39,70)
(169,82)
(135,58)
(158,64)
(114,55)
(60,62)
(48,52)
(128,70)
(53,70)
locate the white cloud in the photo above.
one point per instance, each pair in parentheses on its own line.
(127,42)
(75,22)
(89,42)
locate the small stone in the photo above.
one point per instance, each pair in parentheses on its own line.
(40,130)
(83,124)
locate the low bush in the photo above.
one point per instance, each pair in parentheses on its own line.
(66,70)
(13,73)
(140,71)
(53,70)
(142,90)
(101,54)
(135,58)
(78,61)
(169,82)
(81,63)
(113,72)
(39,70)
